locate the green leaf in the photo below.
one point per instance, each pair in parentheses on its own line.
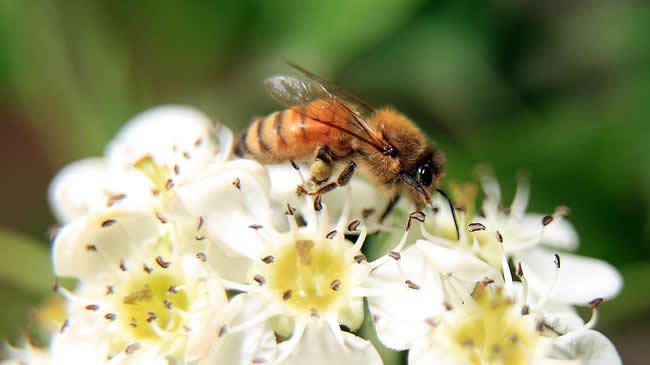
(25,262)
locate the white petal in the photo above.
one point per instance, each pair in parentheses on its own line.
(241,348)
(423,353)
(581,279)
(459,263)
(86,186)
(318,346)
(228,210)
(93,245)
(559,234)
(400,312)
(172,135)
(362,194)
(206,323)
(589,347)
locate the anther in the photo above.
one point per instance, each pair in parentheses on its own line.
(290,210)
(525,310)
(110,290)
(237,183)
(547,220)
(432,322)
(122,265)
(335,285)
(353,225)
(268,259)
(255,226)
(318,205)
(473,227)
(222,331)
(91,248)
(132,348)
(200,223)
(92,307)
(177,170)
(146,268)
(198,142)
(294,165)
(110,316)
(53,231)
(108,223)
(447,306)
(133,323)
(199,237)
(418,216)
(202,256)
(359,258)
(186,155)
(114,198)
(367,212)
(520,271)
(286,295)
(259,360)
(65,325)
(151,316)
(412,285)
(557,261)
(330,234)
(167,304)
(55,284)
(162,263)
(155,192)
(539,326)
(161,218)
(169,184)
(596,302)
(314,312)
(395,255)
(435,209)
(499,237)
(259,279)
(563,211)
(172,289)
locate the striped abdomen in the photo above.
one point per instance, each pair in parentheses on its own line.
(287,135)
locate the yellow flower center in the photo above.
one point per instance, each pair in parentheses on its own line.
(309,275)
(148,304)
(494,332)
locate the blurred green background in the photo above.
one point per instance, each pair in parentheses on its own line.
(560,89)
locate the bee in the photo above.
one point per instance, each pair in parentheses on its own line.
(328,126)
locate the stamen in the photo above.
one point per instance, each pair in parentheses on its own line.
(546,296)
(237,183)
(523,299)
(353,225)
(202,256)
(162,263)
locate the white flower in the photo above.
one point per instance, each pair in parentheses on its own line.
(531,239)
(300,278)
(153,153)
(140,287)
(458,310)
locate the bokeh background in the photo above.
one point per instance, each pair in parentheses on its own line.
(560,89)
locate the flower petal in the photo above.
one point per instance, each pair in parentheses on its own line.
(559,234)
(364,195)
(172,135)
(581,279)
(92,246)
(590,347)
(319,346)
(231,198)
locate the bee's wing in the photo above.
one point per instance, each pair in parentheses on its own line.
(322,102)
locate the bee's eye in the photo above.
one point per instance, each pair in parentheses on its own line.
(425,174)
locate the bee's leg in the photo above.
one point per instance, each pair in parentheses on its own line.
(321,168)
(391,204)
(341,180)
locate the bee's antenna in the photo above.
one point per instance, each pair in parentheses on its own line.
(453,211)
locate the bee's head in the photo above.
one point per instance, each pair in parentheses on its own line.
(423,176)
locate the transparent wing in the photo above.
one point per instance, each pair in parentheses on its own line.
(319,100)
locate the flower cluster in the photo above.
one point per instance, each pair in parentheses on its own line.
(184,254)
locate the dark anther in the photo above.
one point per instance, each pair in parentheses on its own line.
(222,331)
(290,210)
(255,226)
(335,285)
(162,263)
(110,316)
(237,183)
(353,225)
(547,220)
(202,256)
(318,205)
(147,269)
(359,258)
(395,255)
(330,234)
(499,237)
(595,303)
(286,295)
(412,285)
(161,218)
(108,223)
(132,348)
(92,307)
(268,259)
(91,248)
(557,261)
(259,279)
(473,227)
(65,325)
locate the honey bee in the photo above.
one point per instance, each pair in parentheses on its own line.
(328,126)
